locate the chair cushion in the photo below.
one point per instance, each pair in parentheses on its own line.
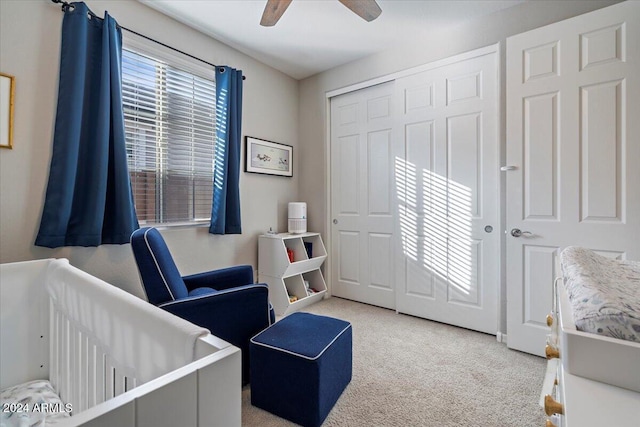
(202,291)
(303,334)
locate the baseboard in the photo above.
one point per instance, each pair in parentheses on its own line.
(501,337)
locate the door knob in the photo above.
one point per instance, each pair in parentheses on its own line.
(335,221)
(516,232)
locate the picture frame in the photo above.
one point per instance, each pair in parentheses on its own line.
(267,157)
(7,91)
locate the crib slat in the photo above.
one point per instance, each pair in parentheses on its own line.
(64,360)
(59,350)
(118,383)
(131,383)
(109,378)
(73,365)
(92,373)
(53,345)
(101,371)
(61,353)
(74,369)
(83,391)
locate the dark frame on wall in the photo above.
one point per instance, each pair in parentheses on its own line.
(267,157)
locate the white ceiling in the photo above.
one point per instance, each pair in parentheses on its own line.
(316,35)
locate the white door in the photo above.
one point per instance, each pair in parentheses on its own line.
(573,136)
(362,194)
(448,184)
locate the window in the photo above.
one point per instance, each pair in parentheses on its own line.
(169,116)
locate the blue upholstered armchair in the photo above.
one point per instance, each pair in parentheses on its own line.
(225,301)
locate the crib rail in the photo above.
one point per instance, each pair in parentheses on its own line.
(88,345)
(83,371)
(204,393)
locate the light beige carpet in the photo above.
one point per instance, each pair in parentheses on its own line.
(413,372)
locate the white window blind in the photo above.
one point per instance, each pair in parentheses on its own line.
(170,126)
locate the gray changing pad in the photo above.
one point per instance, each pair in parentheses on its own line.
(604,293)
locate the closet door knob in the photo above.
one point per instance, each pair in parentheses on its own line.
(552,407)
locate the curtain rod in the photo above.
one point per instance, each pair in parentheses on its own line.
(67,6)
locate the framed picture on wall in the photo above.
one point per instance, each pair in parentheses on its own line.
(7,90)
(268,157)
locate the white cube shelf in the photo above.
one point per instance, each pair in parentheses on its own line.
(287,278)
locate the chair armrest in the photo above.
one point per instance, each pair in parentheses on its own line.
(224,308)
(221,279)
(234,315)
(228,314)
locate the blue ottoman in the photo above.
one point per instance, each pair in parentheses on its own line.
(300,366)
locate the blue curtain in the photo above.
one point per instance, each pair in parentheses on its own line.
(89,201)
(225,210)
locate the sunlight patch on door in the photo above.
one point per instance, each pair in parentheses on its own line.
(435,226)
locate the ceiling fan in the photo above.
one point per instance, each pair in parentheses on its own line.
(366,9)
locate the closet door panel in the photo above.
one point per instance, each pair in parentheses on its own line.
(363,188)
(449,194)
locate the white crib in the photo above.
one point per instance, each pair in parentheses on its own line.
(114,359)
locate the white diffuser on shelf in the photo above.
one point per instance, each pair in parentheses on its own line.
(297,217)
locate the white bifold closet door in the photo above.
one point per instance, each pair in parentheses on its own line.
(363,195)
(415,193)
(448,187)
(573,138)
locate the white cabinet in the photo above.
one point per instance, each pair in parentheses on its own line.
(587,403)
(290,265)
(577,401)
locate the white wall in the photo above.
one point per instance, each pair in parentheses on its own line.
(472,35)
(29,50)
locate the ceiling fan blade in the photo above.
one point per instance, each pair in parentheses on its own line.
(365,9)
(273,11)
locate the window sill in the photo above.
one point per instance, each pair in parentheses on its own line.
(173,225)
